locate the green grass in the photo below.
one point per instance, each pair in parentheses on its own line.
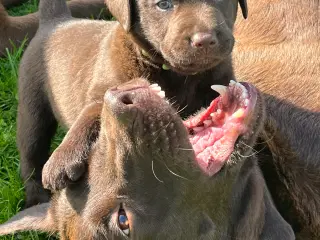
(11,186)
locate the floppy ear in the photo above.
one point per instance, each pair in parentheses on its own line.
(122,11)
(275,227)
(244,8)
(35,218)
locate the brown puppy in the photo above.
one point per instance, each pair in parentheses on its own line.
(278,50)
(10,3)
(16,29)
(290,165)
(70,64)
(143,182)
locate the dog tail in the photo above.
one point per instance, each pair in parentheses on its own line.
(53,11)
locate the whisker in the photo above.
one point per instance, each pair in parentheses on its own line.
(185,149)
(177,175)
(155,173)
(180,110)
(267,140)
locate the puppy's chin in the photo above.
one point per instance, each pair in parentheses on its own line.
(190,63)
(193,68)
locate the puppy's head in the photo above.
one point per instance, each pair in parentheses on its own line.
(192,36)
(151,175)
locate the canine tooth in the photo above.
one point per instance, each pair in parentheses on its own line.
(222,90)
(198,129)
(232,82)
(161,94)
(207,123)
(246,102)
(154,85)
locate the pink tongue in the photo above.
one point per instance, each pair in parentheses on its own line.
(213,146)
(205,139)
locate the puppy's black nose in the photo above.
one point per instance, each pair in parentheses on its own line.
(203,40)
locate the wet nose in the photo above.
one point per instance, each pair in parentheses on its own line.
(119,98)
(203,40)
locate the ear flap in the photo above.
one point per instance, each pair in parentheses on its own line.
(121,10)
(275,227)
(244,8)
(35,218)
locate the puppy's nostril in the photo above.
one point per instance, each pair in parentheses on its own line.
(126,100)
(200,40)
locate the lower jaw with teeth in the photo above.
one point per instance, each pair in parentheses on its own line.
(214,131)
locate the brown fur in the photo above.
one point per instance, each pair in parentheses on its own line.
(138,158)
(13,30)
(110,55)
(291,165)
(278,50)
(60,81)
(10,3)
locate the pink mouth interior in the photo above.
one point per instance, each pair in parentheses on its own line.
(213,132)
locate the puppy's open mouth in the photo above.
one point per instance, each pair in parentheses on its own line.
(214,132)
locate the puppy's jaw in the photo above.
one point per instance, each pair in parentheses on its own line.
(227,128)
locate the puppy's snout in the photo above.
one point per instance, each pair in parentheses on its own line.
(127,99)
(203,40)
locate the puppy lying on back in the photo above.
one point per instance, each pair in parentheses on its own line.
(70,63)
(143,181)
(17,28)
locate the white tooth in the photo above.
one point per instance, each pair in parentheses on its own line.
(154,85)
(244,95)
(161,94)
(207,123)
(246,102)
(222,90)
(219,111)
(232,82)
(212,114)
(126,231)
(198,129)
(156,89)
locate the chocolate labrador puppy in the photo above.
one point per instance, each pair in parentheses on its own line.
(278,51)
(71,63)
(143,180)
(16,29)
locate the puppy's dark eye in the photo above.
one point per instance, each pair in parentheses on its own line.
(165,4)
(123,222)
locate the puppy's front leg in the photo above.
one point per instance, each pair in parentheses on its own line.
(68,162)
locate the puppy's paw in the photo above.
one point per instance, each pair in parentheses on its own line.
(63,167)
